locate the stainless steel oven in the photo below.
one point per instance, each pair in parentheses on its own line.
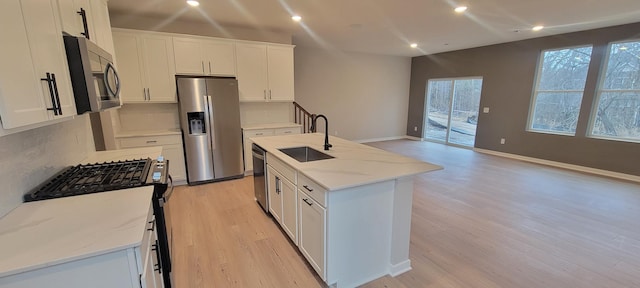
(96,86)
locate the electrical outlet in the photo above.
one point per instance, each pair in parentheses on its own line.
(485,110)
(415,128)
(502,141)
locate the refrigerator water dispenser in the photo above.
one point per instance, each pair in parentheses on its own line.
(196,123)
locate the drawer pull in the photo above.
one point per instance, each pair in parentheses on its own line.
(287,132)
(258,134)
(151,141)
(307,201)
(153,225)
(307,187)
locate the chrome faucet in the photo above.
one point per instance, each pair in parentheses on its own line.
(326,129)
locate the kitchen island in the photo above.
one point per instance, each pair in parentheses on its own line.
(350,216)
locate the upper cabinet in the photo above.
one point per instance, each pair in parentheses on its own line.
(195,56)
(89,19)
(34,77)
(146,66)
(265,72)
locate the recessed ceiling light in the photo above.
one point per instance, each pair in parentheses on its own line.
(414,45)
(193,3)
(623,48)
(537,28)
(296,18)
(460,9)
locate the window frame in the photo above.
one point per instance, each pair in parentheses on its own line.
(602,75)
(536,90)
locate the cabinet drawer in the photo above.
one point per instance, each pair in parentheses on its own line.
(131,142)
(314,190)
(282,168)
(287,131)
(258,133)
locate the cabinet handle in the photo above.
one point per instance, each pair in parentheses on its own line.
(307,201)
(202,63)
(277,185)
(287,132)
(51,93)
(149,94)
(55,89)
(83,14)
(307,187)
(269,94)
(259,134)
(158,267)
(151,141)
(265,94)
(153,224)
(210,71)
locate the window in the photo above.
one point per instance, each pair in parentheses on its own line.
(557,96)
(617,110)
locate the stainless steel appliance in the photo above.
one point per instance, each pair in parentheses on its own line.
(259,177)
(109,176)
(96,86)
(210,122)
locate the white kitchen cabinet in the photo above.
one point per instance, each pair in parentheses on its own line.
(32,49)
(247,134)
(171,150)
(89,19)
(145,64)
(194,56)
(283,198)
(265,72)
(312,228)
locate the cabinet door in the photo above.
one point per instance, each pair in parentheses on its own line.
(48,53)
(129,67)
(174,154)
(220,57)
(101,25)
(274,180)
(188,58)
(251,60)
(71,19)
(280,65)
(147,278)
(289,195)
(312,228)
(21,93)
(159,70)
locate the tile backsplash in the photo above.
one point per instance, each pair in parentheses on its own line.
(265,113)
(145,117)
(29,158)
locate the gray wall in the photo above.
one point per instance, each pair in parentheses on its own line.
(508,72)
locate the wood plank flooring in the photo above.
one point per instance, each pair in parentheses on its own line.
(484,221)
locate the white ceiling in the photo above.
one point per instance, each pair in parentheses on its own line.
(388,26)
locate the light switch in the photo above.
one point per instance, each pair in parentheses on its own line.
(485,110)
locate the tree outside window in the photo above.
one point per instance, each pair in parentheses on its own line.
(560,82)
(617,113)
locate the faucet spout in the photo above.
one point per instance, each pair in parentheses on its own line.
(326,129)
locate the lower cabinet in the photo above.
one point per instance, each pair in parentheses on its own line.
(283,202)
(247,134)
(126,268)
(171,149)
(312,218)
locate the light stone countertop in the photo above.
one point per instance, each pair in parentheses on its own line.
(50,232)
(270,126)
(144,133)
(354,164)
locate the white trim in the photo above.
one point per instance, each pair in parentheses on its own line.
(413,138)
(397,269)
(379,139)
(579,168)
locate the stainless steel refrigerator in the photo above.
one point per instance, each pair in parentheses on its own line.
(210,123)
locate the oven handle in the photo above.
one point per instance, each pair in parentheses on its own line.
(167,194)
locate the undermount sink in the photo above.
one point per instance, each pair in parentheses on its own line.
(305,154)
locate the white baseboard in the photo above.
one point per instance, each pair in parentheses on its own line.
(379,139)
(579,168)
(413,138)
(397,269)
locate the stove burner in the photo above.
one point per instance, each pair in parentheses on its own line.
(93,178)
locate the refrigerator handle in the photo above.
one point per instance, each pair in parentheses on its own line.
(207,115)
(212,133)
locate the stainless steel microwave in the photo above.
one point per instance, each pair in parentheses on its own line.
(96,86)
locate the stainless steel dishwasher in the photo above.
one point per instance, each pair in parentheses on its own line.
(259,177)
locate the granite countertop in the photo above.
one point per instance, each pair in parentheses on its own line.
(354,164)
(270,126)
(45,233)
(143,133)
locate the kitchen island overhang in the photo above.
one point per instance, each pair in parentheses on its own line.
(368,205)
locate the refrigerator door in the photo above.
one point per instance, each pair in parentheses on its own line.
(226,134)
(196,131)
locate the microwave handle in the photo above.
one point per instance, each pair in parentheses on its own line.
(115,76)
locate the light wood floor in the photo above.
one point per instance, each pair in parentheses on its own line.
(484,221)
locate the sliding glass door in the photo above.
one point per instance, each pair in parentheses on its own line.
(452,110)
